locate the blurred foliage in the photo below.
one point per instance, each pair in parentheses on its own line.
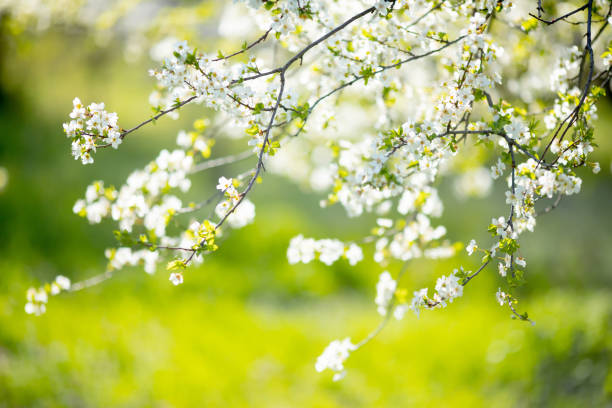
(246,328)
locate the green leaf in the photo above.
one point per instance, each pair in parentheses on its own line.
(366,73)
(176,264)
(124,238)
(508,245)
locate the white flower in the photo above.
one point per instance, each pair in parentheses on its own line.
(79,109)
(176,278)
(184,139)
(354,254)
(385,289)
(448,287)
(79,206)
(93,190)
(339,376)
(501,297)
(41,296)
(224,184)
(418,301)
(384,222)
(406,203)
(301,250)
(502,269)
(334,356)
(381,7)
(498,169)
(30,308)
(330,250)
(150,260)
(471,247)
(36,299)
(518,131)
(500,226)
(63,282)
(596,168)
(35,309)
(400,311)
(520,261)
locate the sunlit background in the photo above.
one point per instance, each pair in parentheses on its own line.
(246,327)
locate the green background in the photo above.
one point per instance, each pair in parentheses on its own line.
(246,328)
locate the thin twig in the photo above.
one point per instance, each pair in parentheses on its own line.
(563,17)
(221,161)
(245,49)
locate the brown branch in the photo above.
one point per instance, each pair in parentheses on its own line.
(152,119)
(248,47)
(573,116)
(563,17)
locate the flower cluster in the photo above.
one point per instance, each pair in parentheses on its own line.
(146,204)
(239,216)
(37,298)
(187,75)
(447,289)
(327,251)
(144,196)
(385,289)
(500,296)
(333,357)
(120,257)
(91,127)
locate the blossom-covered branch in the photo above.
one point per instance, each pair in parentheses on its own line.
(432,82)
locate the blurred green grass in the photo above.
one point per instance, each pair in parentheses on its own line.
(246,327)
(164,347)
